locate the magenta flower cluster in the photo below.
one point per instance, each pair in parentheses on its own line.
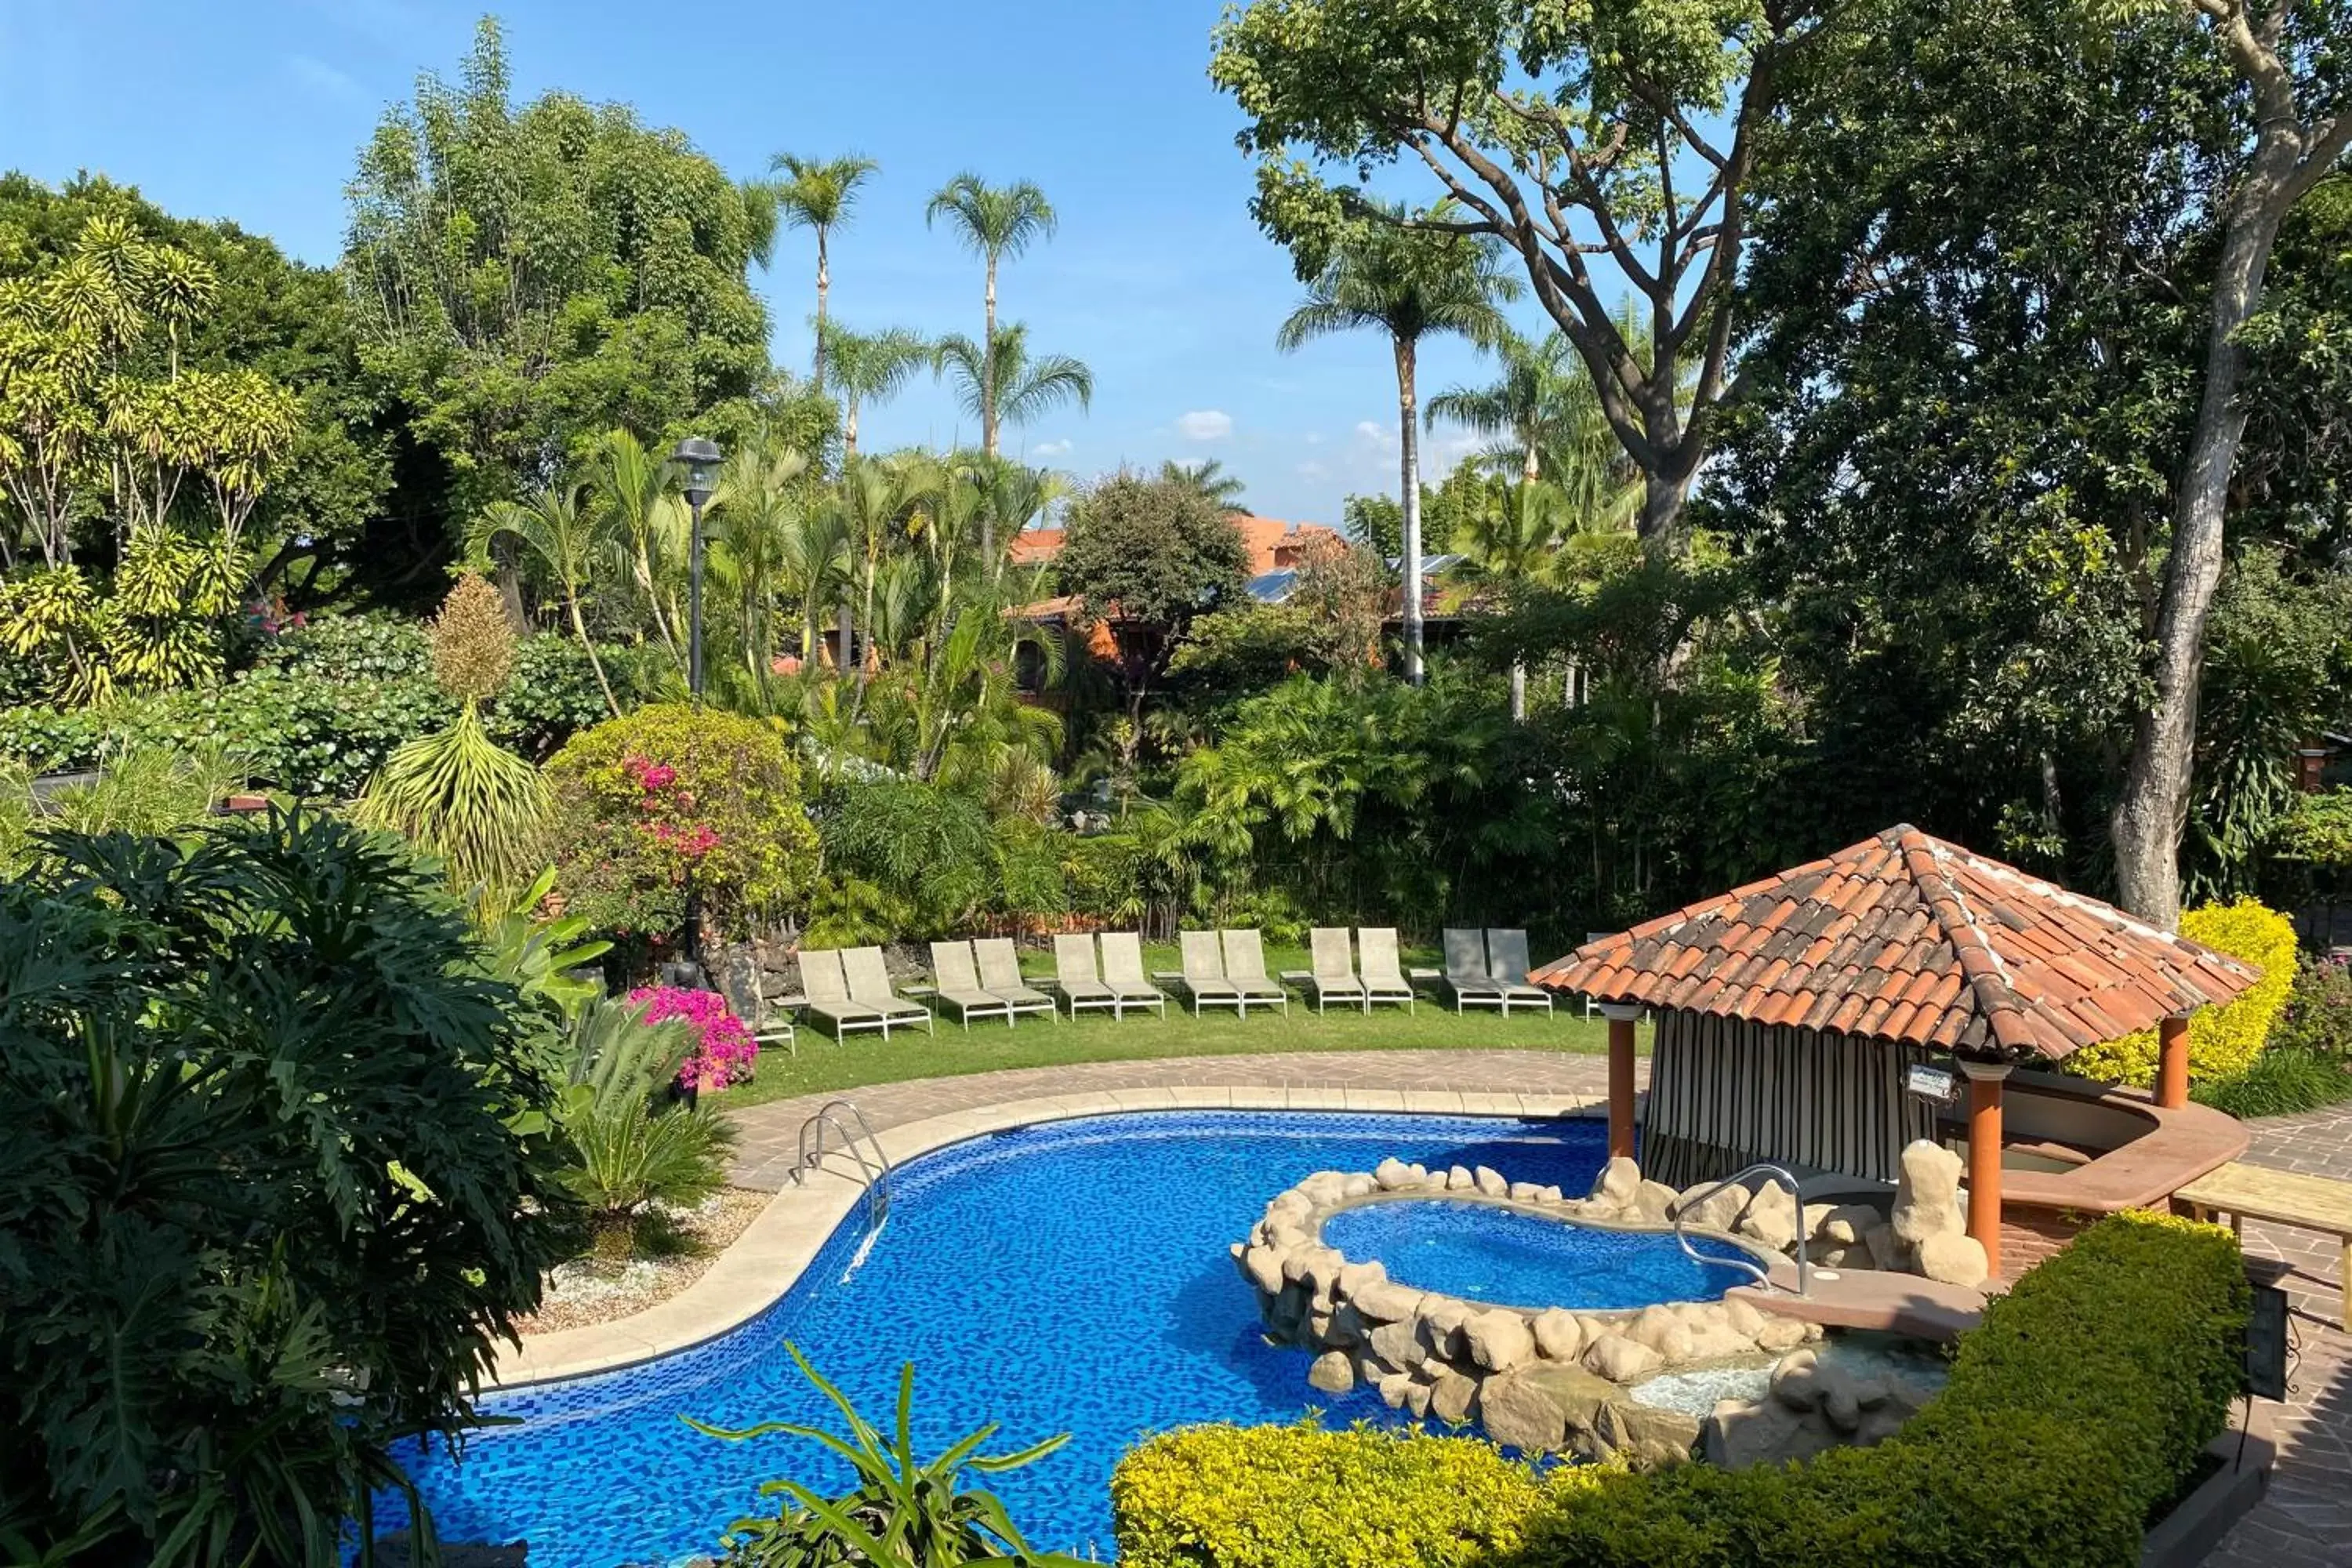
(724,1049)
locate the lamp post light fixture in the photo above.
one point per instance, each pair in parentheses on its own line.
(698,456)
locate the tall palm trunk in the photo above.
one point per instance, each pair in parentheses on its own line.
(824,286)
(1529,471)
(1408,462)
(848,429)
(988,411)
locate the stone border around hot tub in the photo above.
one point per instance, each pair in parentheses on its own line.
(1540,1379)
(768,1259)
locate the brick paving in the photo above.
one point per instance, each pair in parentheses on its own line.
(770,1133)
(2305,1521)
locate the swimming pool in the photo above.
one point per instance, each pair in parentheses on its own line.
(1071,1276)
(1483,1252)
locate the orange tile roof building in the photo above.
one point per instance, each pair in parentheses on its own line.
(1274,545)
(1792,1012)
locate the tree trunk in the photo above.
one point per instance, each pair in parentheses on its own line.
(1409,463)
(580,629)
(987,368)
(2150,817)
(823,284)
(848,430)
(1519,692)
(841,669)
(1663,496)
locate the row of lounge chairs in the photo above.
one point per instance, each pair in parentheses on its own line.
(850,988)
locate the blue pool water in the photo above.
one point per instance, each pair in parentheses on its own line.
(1482,1253)
(1069,1277)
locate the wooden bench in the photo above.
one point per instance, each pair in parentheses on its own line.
(2246,1192)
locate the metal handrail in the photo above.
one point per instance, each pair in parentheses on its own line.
(1763,1277)
(876,1170)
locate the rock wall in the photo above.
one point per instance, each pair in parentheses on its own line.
(1549,1381)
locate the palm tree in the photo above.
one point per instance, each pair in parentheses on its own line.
(1004,387)
(871,501)
(1011,495)
(762,499)
(1545,408)
(868,367)
(994,221)
(1209,477)
(567,541)
(1512,538)
(817,194)
(635,499)
(1411,283)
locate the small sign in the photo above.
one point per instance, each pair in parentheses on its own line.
(1932,1083)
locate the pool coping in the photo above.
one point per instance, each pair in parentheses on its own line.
(761,1264)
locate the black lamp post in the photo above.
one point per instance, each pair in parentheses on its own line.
(698,456)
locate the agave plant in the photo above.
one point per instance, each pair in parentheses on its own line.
(902,1514)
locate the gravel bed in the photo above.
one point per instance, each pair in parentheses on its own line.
(585,1290)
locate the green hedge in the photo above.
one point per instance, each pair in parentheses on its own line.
(2074,1412)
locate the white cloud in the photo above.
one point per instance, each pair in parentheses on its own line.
(1060,448)
(1206,424)
(1311,470)
(1313,437)
(323,80)
(1367,431)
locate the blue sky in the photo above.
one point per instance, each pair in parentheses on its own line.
(253,110)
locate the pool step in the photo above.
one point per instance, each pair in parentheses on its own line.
(1869,1298)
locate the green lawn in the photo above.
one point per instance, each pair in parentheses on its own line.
(866,1058)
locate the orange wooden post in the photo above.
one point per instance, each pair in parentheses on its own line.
(2172,1062)
(1985,1079)
(1620,1077)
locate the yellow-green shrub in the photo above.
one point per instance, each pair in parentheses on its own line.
(1302,1497)
(2223,1041)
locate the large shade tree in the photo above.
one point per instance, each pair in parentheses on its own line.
(1617,133)
(1407,283)
(1959,467)
(529,278)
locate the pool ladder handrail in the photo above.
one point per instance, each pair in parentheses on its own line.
(1763,1277)
(873,1161)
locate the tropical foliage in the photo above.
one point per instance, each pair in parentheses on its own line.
(247,1253)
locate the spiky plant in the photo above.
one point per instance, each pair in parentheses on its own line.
(627,1158)
(903,1512)
(456,794)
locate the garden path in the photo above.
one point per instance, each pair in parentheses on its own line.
(770,1133)
(2307,1519)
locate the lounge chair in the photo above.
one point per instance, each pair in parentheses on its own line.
(1506,961)
(1466,975)
(1000,971)
(958,985)
(1074,976)
(770,1025)
(1122,968)
(1204,972)
(1246,971)
(869,987)
(827,990)
(1383,975)
(1333,973)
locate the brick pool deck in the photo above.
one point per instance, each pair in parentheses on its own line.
(2305,1521)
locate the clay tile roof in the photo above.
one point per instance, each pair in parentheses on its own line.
(1907,937)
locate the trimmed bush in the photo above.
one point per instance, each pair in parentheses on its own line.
(642,800)
(1302,1497)
(2223,1041)
(2074,1411)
